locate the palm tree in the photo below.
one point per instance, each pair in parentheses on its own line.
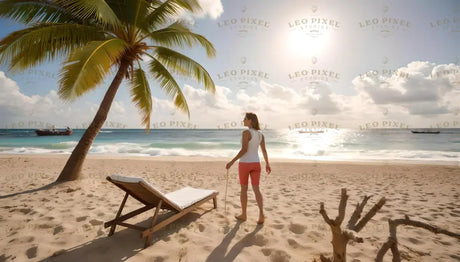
(98,36)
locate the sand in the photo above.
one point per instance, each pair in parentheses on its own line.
(65,222)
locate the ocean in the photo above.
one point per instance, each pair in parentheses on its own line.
(332,144)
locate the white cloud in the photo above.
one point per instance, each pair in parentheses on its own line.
(199,98)
(421,88)
(34,111)
(320,100)
(211,8)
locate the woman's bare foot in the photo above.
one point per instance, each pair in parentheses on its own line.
(261,220)
(241,217)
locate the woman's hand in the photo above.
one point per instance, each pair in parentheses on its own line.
(268,168)
(229,164)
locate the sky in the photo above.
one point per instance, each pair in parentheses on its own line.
(297,64)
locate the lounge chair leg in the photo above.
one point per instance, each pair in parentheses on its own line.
(112,228)
(148,239)
(214,200)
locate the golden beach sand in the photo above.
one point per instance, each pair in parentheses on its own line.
(65,222)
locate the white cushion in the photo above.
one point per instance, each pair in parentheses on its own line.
(188,196)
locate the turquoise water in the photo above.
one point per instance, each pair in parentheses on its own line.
(333,144)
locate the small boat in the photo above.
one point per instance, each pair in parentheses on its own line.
(54,132)
(311,131)
(425,131)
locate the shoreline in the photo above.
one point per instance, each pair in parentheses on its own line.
(226,159)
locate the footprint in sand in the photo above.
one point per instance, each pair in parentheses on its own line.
(44,226)
(316,236)
(31,252)
(293,243)
(29,239)
(83,218)
(58,230)
(297,228)
(415,241)
(276,255)
(201,227)
(100,232)
(183,238)
(277,226)
(266,251)
(25,211)
(259,240)
(159,259)
(95,222)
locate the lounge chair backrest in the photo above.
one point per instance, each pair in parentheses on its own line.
(143,191)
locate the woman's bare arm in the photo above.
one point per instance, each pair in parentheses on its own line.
(264,152)
(244,148)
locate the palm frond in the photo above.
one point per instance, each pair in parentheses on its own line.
(162,11)
(130,12)
(179,35)
(98,10)
(87,67)
(141,96)
(30,11)
(44,42)
(183,65)
(169,85)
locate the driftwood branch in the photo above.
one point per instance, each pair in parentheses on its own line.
(341,237)
(392,242)
(370,214)
(342,207)
(323,213)
(357,213)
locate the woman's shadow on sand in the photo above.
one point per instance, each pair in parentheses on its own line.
(220,252)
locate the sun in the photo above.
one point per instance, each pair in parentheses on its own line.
(302,44)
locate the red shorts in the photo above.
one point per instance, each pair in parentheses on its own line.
(249,169)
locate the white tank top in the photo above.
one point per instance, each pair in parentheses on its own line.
(252,155)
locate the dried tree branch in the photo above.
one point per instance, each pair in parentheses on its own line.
(392,241)
(322,211)
(342,207)
(357,213)
(369,215)
(431,228)
(383,250)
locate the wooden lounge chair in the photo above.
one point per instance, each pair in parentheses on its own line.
(180,202)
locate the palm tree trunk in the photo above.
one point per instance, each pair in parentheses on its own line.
(74,164)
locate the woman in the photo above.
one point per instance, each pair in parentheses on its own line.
(249,164)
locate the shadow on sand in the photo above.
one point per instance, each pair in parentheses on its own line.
(122,245)
(31,190)
(220,252)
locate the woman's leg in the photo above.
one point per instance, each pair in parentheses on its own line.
(243,172)
(260,203)
(244,202)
